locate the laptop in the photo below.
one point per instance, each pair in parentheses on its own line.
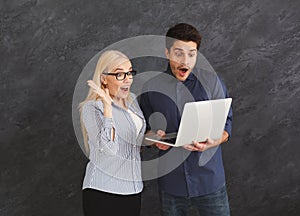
(200,120)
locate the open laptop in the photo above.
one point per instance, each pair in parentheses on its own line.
(200,120)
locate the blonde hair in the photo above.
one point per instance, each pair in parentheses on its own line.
(107,62)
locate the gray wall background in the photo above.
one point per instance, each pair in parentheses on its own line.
(45,44)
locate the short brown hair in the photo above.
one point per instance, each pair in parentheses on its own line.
(183,32)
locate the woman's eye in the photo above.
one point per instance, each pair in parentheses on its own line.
(119,75)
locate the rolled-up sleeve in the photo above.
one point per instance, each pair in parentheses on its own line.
(99,128)
(228,124)
(217,90)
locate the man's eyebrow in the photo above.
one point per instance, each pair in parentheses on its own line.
(178,49)
(191,50)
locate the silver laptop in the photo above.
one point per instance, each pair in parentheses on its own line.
(200,120)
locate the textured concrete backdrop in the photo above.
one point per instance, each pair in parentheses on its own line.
(253,45)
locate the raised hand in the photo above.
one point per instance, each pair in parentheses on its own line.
(103,94)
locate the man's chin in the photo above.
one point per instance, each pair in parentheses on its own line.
(182,77)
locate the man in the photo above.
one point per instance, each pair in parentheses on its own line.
(199,180)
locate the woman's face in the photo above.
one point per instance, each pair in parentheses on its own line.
(119,89)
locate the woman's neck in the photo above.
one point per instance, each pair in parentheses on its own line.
(120,102)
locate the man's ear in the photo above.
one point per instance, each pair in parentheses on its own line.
(167,53)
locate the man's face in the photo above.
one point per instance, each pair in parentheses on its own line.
(182,56)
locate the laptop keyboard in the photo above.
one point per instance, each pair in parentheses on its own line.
(169,140)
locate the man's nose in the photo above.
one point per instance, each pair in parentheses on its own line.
(184,60)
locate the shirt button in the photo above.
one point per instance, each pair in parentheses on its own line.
(101,150)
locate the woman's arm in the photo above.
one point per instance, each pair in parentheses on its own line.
(100,128)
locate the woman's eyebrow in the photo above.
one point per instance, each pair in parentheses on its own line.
(121,69)
(116,69)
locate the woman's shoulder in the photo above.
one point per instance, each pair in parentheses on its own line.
(93,104)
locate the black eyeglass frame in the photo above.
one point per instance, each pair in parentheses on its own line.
(133,73)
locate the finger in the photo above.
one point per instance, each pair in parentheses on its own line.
(194,149)
(99,93)
(190,147)
(93,87)
(106,91)
(162,146)
(210,141)
(200,147)
(92,84)
(165,147)
(161,133)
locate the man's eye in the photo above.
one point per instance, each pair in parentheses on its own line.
(178,54)
(192,54)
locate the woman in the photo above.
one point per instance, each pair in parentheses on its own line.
(113,127)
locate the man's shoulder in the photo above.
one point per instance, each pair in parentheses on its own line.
(205,74)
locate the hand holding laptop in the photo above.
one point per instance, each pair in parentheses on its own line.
(196,146)
(210,143)
(201,126)
(159,134)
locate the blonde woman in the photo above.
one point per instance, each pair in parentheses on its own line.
(113,127)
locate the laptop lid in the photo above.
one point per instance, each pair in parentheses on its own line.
(200,120)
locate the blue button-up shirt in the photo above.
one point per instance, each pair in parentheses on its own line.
(166,95)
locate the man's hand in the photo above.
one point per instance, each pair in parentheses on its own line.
(161,146)
(159,133)
(209,143)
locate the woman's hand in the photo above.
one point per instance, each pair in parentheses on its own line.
(103,94)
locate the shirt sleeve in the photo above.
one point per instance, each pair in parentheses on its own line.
(145,106)
(99,128)
(230,114)
(216,89)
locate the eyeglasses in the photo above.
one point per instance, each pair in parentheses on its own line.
(122,75)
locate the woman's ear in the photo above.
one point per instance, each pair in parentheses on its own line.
(103,82)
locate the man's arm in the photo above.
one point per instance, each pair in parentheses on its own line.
(196,146)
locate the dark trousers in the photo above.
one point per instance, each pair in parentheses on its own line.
(214,204)
(98,203)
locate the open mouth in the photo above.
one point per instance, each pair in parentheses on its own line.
(125,89)
(182,71)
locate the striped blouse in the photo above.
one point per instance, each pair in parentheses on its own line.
(115,165)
